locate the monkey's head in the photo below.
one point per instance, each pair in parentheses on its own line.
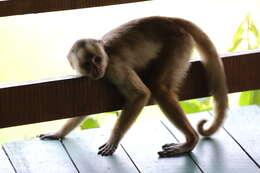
(88,57)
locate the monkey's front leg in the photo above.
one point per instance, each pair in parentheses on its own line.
(66,128)
(137,95)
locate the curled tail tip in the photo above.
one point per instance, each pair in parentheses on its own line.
(201,129)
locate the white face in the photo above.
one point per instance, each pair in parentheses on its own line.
(88,58)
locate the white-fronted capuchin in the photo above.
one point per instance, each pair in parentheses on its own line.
(158,48)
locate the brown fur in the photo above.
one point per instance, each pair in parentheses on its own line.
(159,49)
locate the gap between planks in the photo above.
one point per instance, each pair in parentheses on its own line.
(226,142)
(6,165)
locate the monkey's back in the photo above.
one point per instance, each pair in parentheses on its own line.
(139,41)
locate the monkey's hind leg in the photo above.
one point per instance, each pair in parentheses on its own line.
(165,83)
(168,102)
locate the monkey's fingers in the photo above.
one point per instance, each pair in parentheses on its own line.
(52,136)
(168,153)
(173,150)
(102,146)
(166,146)
(107,149)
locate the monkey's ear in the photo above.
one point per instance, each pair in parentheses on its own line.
(70,61)
(101,42)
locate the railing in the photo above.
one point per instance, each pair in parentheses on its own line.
(45,100)
(15,7)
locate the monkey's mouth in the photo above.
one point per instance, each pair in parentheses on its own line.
(97,74)
(97,77)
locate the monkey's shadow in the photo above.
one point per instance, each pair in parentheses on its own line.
(83,151)
(210,154)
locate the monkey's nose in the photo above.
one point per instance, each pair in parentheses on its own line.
(96,60)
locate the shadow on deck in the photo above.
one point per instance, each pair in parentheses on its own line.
(233,149)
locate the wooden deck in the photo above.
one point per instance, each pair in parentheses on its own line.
(234,149)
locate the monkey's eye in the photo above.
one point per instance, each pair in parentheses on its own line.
(97,59)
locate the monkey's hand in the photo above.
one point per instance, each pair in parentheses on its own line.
(108,148)
(53,136)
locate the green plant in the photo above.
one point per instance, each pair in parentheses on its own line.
(196,105)
(247,37)
(98,120)
(91,122)
(249,98)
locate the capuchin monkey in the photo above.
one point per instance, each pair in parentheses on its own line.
(156,49)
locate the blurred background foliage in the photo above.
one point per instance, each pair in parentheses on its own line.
(247,37)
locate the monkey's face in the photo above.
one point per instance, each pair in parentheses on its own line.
(88,58)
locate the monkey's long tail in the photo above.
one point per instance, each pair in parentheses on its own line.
(215,75)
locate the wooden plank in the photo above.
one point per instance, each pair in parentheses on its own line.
(142,143)
(74,96)
(8,8)
(243,124)
(83,147)
(219,153)
(5,166)
(37,156)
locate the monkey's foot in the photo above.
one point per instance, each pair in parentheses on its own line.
(53,136)
(172,149)
(107,149)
